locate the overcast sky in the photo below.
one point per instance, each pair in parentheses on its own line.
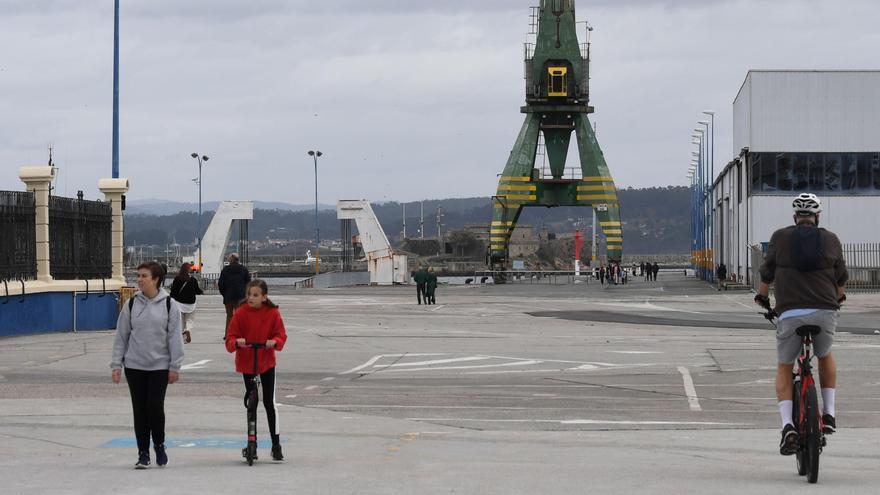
(407,99)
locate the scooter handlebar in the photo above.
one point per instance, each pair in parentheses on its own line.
(251,346)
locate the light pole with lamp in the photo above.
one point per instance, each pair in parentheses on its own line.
(201,159)
(315,154)
(711,157)
(710,201)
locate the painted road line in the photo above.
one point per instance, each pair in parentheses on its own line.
(290,396)
(435,361)
(438,307)
(585,422)
(190,443)
(373,360)
(693,400)
(442,368)
(195,366)
(327,379)
(311,387)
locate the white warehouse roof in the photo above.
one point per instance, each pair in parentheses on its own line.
(808,111)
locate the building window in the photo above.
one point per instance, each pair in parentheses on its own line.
(840,173)
(739,182)
(756,172)
(817,172)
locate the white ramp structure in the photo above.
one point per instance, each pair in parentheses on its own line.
(386,267)
(217,236)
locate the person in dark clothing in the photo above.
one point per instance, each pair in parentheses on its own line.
(421,278)
(654,271)
(184,290)
(642,268)
(431,287)
(602,275)
(721,274)
(232,283)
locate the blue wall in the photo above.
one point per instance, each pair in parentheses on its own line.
(53,312)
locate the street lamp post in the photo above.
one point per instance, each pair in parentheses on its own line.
(710,202)
(712,232)
(201,159)
(315,154)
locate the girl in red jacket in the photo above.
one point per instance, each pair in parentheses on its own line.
(257,322)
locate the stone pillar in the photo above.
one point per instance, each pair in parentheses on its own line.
(37,180)
(113,190)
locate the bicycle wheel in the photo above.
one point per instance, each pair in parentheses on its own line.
(813,432)
(800,458)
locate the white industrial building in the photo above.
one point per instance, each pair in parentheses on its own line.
(799,131)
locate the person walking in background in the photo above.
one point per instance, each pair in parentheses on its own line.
(655,270)
(233,279)
(149,346)
(184,290)
(259,322)
(602,275)
(431,287)
(421,279)
(721,275)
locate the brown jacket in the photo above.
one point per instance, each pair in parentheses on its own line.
(799,289)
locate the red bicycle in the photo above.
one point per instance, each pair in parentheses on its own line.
(806,415)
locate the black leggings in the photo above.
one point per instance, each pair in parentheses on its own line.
(148,403)
(267,378)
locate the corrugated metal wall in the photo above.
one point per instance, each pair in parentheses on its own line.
(808,111)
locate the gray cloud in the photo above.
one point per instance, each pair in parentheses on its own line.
(406,99)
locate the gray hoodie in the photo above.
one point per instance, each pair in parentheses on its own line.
(150,338)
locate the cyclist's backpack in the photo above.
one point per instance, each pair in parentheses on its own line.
(167,310)
(807,248)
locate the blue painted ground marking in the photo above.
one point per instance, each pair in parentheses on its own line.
(190,443)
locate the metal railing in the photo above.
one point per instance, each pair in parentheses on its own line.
(18,244)
(80,235)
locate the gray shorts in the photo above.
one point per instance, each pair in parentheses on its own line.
(788,342)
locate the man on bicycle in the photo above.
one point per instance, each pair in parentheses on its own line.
(805,264)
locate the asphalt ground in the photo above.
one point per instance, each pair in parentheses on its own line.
(522,388)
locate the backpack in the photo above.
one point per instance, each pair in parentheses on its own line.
(167,310)
(806,248)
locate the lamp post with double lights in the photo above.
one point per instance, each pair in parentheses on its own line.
(201,159)
(315,154)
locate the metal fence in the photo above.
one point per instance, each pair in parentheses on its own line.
(80,245)
(18,241)
(862,264)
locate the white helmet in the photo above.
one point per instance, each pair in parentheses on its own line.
(806,204)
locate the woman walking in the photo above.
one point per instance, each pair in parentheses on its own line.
(184,290)
(149,346)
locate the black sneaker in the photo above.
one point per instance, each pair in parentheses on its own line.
(829,425)
(161,456)
(143,459)
(276,452)
(789,443)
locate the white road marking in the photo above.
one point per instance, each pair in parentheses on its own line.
(584,422)
(689,389)
(438,307)
(326,379)
(373,360)
(311,387)
(196,365)
(441,368)
(435,361)
(740,303)
(290,396)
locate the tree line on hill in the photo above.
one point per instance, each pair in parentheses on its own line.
(655,220)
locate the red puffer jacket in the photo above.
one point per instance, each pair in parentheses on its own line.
(255,326)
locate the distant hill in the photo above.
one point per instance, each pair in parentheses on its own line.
(163,207)
(655,220)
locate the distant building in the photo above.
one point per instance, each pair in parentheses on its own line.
(793,132)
